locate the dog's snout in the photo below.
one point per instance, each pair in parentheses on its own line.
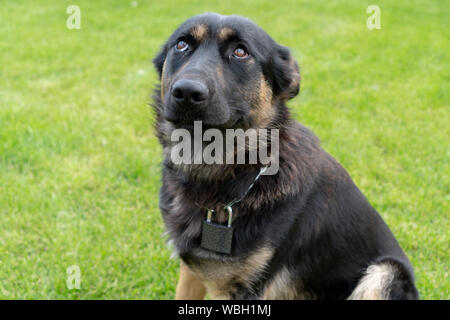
(190,92)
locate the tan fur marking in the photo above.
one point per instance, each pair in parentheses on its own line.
(263,111)
(225,33)
(374,285)
(189,286)
(220,276)
(281,287)
(220,75)
(199,32)
(164,81)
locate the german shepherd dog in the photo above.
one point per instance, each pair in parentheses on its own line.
(306,232)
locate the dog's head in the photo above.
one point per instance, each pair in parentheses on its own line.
(226,72)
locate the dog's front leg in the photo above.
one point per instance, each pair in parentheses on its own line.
(189,286)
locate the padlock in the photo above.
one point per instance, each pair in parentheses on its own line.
(217,237)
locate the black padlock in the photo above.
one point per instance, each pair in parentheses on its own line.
(217,237)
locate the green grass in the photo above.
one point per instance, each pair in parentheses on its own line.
(80,163)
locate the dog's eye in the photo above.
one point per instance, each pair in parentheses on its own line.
(181,46)
(240,53)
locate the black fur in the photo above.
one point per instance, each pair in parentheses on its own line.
(320,226)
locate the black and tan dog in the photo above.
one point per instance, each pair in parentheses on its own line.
(306,232)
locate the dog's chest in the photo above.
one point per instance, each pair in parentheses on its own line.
(227,278)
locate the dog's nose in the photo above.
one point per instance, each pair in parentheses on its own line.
(190,92)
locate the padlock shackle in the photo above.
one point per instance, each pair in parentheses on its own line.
(230,215)
(209,215)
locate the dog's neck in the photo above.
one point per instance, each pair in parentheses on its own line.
(224,170)
(224,182)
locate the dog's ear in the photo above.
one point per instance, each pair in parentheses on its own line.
(286,74)
(158,61)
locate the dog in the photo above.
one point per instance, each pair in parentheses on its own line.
(305,232)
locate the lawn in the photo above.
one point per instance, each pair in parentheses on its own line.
(80,163)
